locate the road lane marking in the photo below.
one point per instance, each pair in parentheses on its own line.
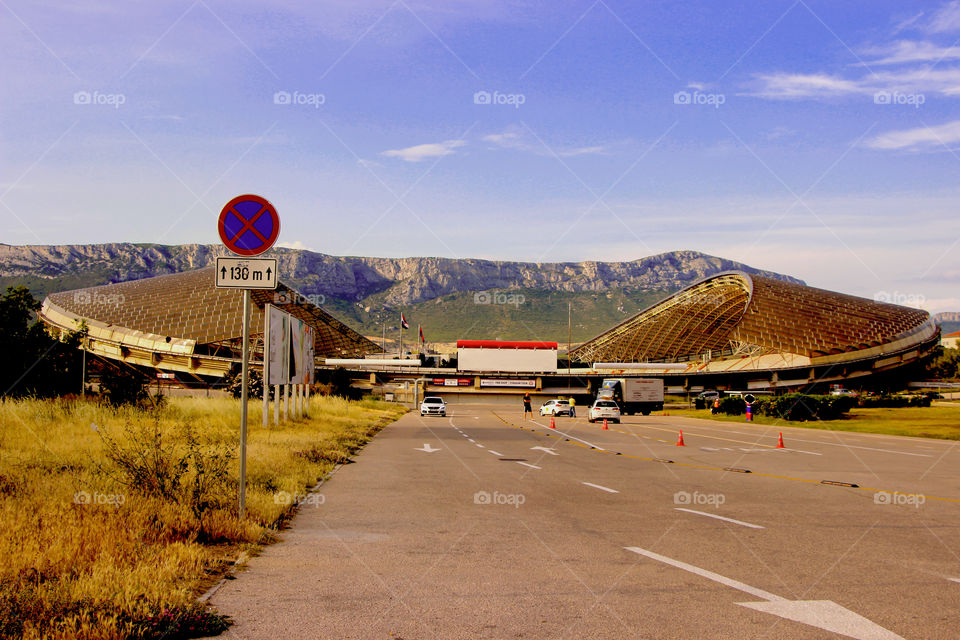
(495,453)
(822,614)
(602,488)
(709,575)
(546,450)
(481,446)
(706,467)
(426,447)
(713,515)
(527,464)
(567,435)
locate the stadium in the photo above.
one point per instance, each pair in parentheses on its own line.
(732,330)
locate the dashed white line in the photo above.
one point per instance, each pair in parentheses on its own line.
(496,453)
(713,515)
(481,446)
(602,488)
(527,464)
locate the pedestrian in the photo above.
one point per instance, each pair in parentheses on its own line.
(573,407)
(526,406)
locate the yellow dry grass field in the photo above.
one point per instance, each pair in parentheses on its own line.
(116,519)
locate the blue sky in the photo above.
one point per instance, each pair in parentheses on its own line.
(819,139)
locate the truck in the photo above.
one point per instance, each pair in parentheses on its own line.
(634,395)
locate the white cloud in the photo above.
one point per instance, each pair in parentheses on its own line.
(521,141)
(295,245)
(946,19)
(788,86)
(918,138)
(424,151)
(904,51)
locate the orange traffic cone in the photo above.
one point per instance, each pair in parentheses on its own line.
(605,424)
(780,441)
(680,442)
(553,422)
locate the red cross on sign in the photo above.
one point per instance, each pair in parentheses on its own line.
(249,225)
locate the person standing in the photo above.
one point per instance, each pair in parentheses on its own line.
(526,406)
(573,407)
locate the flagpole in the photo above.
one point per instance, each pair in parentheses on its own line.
(400,353)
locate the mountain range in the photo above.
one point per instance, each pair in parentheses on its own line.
(451,298)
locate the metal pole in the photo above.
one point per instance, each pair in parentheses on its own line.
(569,339)
(277,400)
(243,401)
(83,370)
(266,365)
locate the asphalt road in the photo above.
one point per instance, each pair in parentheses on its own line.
(483,525)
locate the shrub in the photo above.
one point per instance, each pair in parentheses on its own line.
(896,401)
(792,406)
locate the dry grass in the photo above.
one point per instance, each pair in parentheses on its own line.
(86,554)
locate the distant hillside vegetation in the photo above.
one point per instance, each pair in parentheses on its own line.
(519,300)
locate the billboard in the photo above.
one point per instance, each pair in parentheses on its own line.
(290,348)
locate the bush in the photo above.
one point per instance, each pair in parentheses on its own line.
(234,383)
(896,401)
(792,406)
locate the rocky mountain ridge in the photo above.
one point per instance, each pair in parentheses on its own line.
(391,282)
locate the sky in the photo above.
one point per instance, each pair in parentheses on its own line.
(816,139)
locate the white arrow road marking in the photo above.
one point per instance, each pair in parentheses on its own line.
(545,450)
(597,486)
(822,614)
(713,515)
(527,464)
(426,447)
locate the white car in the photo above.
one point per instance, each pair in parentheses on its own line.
(844,392)
(604,409)
(555,408)
(433,406)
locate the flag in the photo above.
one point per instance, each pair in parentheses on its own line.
(403,321)
(420,330)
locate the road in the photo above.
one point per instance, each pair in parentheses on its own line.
(485,525)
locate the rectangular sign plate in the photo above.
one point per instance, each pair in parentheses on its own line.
(247,273)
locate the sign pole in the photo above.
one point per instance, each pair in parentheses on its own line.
(243,401)
(266,365)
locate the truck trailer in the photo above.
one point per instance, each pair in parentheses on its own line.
(634,395)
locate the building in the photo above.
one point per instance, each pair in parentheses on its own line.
(182,323)
(951,340)
(736,330)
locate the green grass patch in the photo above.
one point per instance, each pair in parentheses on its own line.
(926,422)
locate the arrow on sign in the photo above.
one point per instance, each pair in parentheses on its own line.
(426,447)
(545,450)
(823,614)
(223,271)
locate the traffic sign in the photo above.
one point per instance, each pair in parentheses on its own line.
(249,225)
(247,273)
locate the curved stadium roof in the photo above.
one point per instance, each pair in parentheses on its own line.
(735,313)
(183,322)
